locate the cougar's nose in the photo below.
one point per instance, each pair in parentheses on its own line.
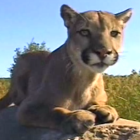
(102,53)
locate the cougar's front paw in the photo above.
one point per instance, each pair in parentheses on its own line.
(104,113)
(78,122)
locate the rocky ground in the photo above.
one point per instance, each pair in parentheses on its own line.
(111,132)
(11,130)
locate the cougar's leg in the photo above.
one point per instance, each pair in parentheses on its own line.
(40,115)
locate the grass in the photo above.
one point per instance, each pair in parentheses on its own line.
(123,93)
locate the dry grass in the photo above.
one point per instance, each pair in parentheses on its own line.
(4,86)
(123,93)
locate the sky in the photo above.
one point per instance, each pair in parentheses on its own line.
(22,20)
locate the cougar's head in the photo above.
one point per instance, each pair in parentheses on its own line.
(95,37)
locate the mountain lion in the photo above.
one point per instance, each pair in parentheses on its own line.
(64,89)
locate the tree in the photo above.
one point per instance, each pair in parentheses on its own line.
(31,47)
(134,72)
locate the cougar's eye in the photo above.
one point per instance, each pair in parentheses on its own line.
(84,32)
(114,33)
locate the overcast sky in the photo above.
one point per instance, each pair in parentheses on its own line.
(22,20)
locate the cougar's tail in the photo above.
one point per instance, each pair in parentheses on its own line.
(5,101)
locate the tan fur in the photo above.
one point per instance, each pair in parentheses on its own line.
(65,90)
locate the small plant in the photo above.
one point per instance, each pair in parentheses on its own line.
(31,47)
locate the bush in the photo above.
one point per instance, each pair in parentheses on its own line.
(31,47)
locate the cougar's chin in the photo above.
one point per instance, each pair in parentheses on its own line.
(99,67)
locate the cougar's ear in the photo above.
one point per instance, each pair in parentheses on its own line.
(124,16)
(68,15)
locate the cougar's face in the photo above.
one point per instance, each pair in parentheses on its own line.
(95,37)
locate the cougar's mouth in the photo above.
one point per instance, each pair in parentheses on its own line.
(92,59)
(99,64)
(93,62)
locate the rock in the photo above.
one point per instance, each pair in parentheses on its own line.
(10,129)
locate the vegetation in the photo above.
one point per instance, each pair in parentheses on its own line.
(123,93)
(4,86)
(31,47)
